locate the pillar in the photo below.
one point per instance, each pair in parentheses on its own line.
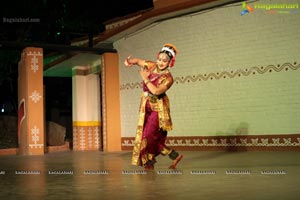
(111,102)
(86,110)
(31,132)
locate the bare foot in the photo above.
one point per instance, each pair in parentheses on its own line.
(149,167)
(176,161)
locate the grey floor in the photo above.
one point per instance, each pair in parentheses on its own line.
(200,175)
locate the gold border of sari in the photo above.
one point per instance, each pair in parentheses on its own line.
(139,133)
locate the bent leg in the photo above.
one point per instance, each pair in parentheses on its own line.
(173,155)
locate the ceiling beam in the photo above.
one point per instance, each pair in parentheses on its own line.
(55,47)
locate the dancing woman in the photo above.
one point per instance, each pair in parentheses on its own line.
(154,113)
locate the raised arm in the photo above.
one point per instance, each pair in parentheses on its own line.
(134,61)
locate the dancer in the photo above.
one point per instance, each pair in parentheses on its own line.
(154,113)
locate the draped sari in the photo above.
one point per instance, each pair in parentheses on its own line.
(154,120)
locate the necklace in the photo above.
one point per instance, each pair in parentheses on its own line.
(160,71)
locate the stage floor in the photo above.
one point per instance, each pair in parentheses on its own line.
(200,175)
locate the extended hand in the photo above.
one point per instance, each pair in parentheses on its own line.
(127,63)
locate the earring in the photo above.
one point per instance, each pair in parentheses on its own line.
(172,62)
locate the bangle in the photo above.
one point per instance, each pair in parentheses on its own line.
(147,81)
(130,63)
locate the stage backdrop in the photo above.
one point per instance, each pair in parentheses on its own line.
(237,78)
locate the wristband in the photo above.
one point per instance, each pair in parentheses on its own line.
(127,60)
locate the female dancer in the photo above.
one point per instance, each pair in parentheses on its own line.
(154,113)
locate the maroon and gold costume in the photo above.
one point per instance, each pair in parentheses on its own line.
(154,120)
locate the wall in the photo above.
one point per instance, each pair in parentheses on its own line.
(234,76)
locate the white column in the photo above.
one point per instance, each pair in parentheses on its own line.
(86,110)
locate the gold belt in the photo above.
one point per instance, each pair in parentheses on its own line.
(152,97)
